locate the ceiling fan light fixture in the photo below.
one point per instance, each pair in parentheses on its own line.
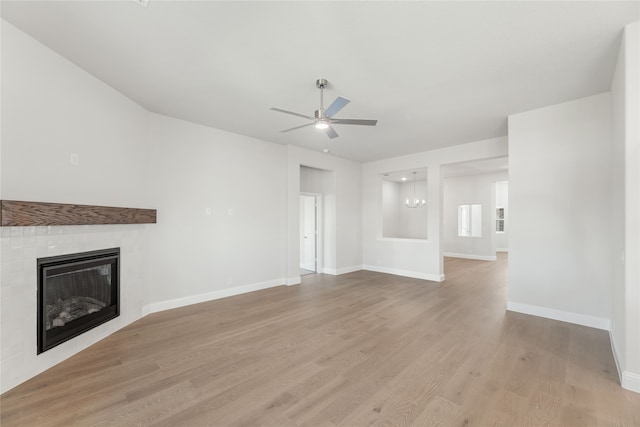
(415,202)
(322,124)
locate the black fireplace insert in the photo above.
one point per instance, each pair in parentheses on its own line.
(76,293)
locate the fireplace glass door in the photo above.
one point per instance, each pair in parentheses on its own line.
(76,293)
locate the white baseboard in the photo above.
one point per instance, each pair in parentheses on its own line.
(502,249)
(471,256)
(405,273)
(563,316)
(615,355)
(293,281)
(339,271)
(630,381)
(222,293)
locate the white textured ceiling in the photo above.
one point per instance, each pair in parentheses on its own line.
(434,74)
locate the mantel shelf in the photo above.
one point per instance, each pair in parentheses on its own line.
(25,214)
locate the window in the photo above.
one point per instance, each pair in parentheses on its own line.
(470,220)
(499,220)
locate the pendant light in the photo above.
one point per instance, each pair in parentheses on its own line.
(415,203)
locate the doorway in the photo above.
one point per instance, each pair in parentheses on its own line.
(309,233)
(474,211)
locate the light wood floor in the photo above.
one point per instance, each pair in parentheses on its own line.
(358,349)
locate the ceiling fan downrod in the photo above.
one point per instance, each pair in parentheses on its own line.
(321,84)
(321,121)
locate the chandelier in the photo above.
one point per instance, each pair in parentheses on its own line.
(415,203)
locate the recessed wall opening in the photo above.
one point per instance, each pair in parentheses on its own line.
(309,204)
(404,204)
(475,209)
(317,218)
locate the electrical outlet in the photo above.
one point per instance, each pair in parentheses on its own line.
(75,159)
(229,281)
(230,211)
(207,211)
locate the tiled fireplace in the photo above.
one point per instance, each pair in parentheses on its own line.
(20,249)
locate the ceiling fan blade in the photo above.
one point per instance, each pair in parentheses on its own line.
(331,132)
(297,127)
(292,113)
(362,122)
(336,106)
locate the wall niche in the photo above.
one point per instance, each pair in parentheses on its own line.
(404,204)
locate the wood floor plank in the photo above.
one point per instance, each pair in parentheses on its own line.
(360,349)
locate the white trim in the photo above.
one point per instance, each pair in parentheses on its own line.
(630,381)
(339,271)
(405,273)
(502,249)
(615,355)
(471,256)
(401,239)
(293,281)
(222,293)
(563,316)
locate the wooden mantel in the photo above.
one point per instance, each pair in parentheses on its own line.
(24,214)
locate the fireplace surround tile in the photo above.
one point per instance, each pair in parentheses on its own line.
(20,247)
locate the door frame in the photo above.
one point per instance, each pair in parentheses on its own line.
(319,230)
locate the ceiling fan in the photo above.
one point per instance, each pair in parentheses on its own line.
(323,119)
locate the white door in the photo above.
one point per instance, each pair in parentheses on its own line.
(308,232)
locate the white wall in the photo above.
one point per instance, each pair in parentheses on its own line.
(314,180)
(51,108)
(618,141)
(466,190)
(414,258)
(632,207)
(342,211)
(241,182)
(625,211)
(559,183)
(391,205)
